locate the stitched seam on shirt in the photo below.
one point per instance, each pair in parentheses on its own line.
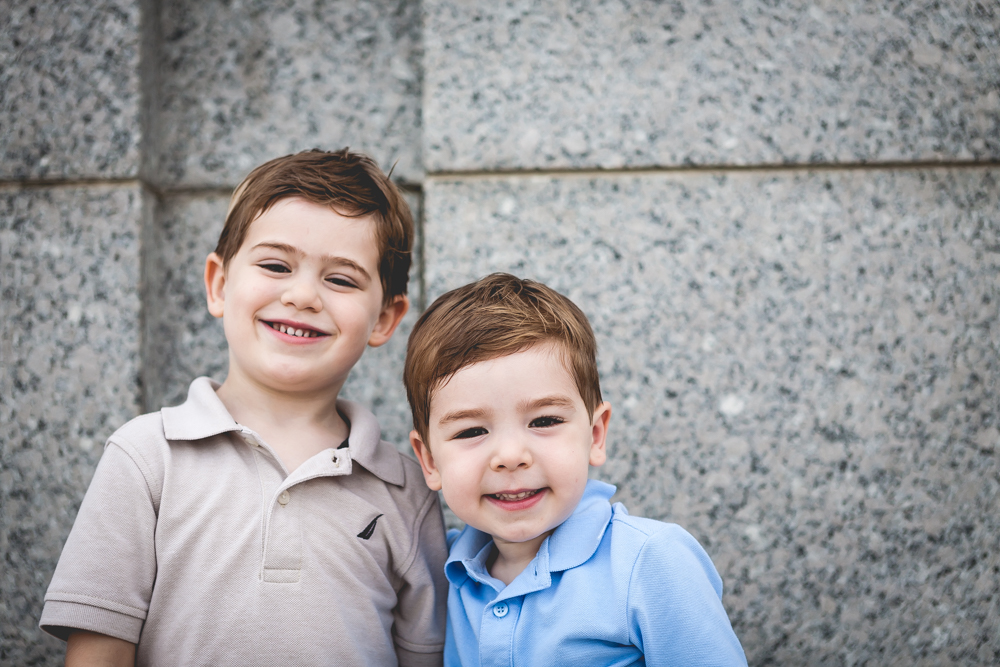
(91,600)
(145,470)
(265,512)
(631,576)
(416,648)
(422,516)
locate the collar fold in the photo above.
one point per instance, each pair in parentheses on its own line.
(203,415)
(571,544)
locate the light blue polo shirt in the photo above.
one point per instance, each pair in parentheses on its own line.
(605,588)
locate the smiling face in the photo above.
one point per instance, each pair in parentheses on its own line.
(301,299)
(510,442)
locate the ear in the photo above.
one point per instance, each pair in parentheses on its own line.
(599,434)
(215,284)
(423,452)
(390,317)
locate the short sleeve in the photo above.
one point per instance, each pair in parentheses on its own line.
(419,615)
(104,579)
(675,607)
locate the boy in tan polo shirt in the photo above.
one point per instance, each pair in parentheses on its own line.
(264,521)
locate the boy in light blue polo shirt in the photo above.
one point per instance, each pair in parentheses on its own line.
(502,380)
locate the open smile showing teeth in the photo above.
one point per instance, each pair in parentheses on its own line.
(510,497)
(292,331)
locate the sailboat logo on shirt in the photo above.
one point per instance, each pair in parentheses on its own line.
(369,529)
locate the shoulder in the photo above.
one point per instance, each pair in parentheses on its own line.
(659,551)
(142,437)
(147,428)
(414,494)
(143,443)
(674,595)
(641,529)
(413,475)
(398,476)
(412,513)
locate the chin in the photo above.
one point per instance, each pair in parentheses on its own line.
(295,382)
(519,536)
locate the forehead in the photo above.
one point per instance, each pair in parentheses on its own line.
(541,369)
(313,227)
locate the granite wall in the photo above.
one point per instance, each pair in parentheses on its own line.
(783,219)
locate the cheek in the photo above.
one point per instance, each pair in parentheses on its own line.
(354,313)
(459,480)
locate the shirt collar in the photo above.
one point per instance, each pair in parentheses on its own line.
(570,545)
(203,415)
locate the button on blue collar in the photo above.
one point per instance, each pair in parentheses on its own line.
(500,609)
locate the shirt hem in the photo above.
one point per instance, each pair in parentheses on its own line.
(60,619)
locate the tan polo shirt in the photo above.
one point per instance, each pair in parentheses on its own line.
(194,542)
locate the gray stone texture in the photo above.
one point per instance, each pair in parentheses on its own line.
(803,361)
(804,372)
(243,82)
(69,376)
(69,89)
(183,341)
(611,83)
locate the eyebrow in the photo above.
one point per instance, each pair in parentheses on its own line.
(328,259)
(458,415)
(556,401)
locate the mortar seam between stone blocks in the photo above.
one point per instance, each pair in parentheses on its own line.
(477,174)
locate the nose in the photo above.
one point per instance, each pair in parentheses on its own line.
(301,293)
(511,454)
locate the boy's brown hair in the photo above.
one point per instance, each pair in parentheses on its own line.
(493,317)
(349,183)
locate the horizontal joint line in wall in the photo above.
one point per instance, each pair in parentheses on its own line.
(715,168)
(159,191)
(38,183)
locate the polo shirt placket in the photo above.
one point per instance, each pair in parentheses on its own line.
(499,623)
(500,618)
(281,554)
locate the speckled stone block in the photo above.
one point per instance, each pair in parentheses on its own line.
(183,340)
(804,371)
(527,84)
(69,89)
(69,376)
(247,81)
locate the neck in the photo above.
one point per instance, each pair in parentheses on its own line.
(510,558)
(295,425)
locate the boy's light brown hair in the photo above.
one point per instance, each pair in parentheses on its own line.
(493,317)
(349,183)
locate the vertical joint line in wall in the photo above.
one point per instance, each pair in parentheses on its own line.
(150,203)
(421,257)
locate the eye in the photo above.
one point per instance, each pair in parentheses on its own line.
(341,281)
(274,267)
(545,422)
(473,432)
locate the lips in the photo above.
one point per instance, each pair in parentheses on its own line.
(515,495)
(516,499)
(296,330)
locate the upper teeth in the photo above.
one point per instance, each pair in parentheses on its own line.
(514,496)
(291,331)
